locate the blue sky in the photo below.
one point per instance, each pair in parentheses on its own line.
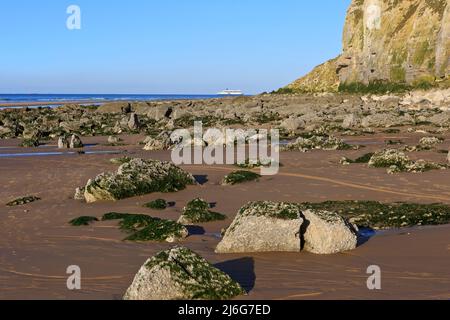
(165,46)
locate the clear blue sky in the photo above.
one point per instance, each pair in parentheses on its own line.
(165,46)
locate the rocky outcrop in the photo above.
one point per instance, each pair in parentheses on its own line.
(270,226)
(389,41)
(137,177)
(181,274)
(323,78)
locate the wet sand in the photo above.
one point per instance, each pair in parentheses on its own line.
(37,244)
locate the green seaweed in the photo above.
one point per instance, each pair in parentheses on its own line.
(145,228)
(377,215)
(240,177)
(197,211)
(83,221)
(158,204)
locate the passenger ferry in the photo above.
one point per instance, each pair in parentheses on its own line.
(228,92)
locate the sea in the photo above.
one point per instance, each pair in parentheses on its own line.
(28,100)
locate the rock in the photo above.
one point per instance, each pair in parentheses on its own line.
(137,177)
(197,211)
(264,227)
(22,201)
(397,161)
(79,193)
(113,140)
(161,142)
(428,143)
(133,122)
(318,143)
(351,121)
(181,274)
(63,143)
(328,233)
(75,142)
(291,125)
(30,143)
(270,226)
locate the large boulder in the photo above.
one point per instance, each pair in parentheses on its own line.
(137,177)
(181,274)
(327,233)
(270,226)
(264,227)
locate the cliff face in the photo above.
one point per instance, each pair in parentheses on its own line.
(395,41)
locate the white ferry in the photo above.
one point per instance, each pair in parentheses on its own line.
(228,92)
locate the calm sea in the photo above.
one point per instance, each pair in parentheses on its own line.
(26,99)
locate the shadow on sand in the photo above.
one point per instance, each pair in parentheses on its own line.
(195,230)
(240,270)
(201,179)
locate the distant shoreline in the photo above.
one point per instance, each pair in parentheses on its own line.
(49,103)
(24,104)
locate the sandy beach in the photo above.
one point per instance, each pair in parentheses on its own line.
(38,244)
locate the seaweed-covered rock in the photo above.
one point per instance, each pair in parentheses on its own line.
(271,226)
(137,177)
(30,143)
(197,211)
(83,221)
(328,233)
(397,161)
(142,227)
(240,176)
(181,274)
(22,201)
(158,204)
(264,227)
(317,142)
